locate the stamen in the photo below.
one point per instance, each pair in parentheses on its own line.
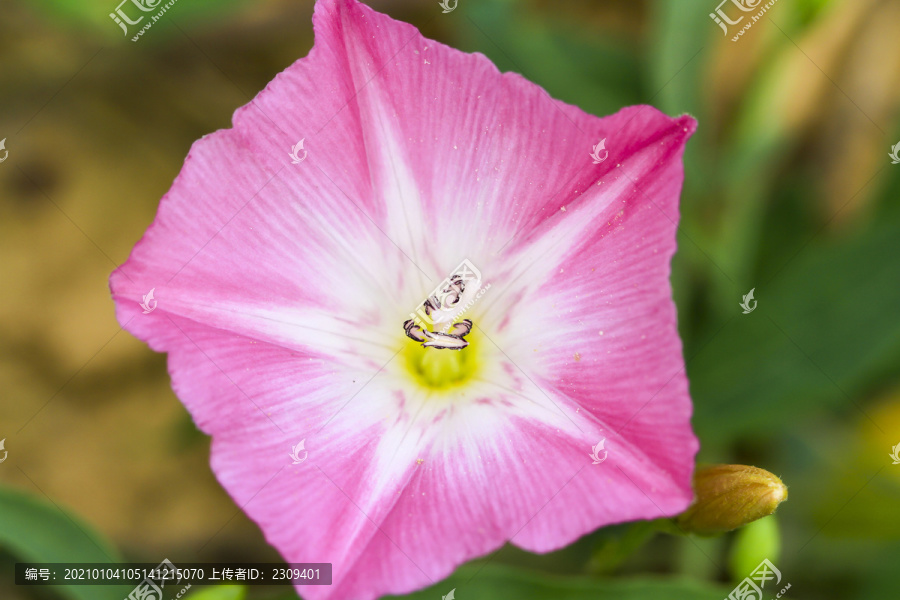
(453,340)
(461,329)
(452,294)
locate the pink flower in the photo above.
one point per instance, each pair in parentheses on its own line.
(283,287)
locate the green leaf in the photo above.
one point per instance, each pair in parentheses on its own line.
(96,12)
(597,73)
(753,543)
(221,592)
(38,531)
(824,333)
(613,550)
(681,30)
(498,582)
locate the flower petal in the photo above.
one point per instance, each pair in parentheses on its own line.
(282,288)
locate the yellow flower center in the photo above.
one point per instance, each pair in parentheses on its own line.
(438,369)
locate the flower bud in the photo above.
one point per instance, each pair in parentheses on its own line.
(730,496)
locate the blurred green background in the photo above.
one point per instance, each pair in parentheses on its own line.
(789,190)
